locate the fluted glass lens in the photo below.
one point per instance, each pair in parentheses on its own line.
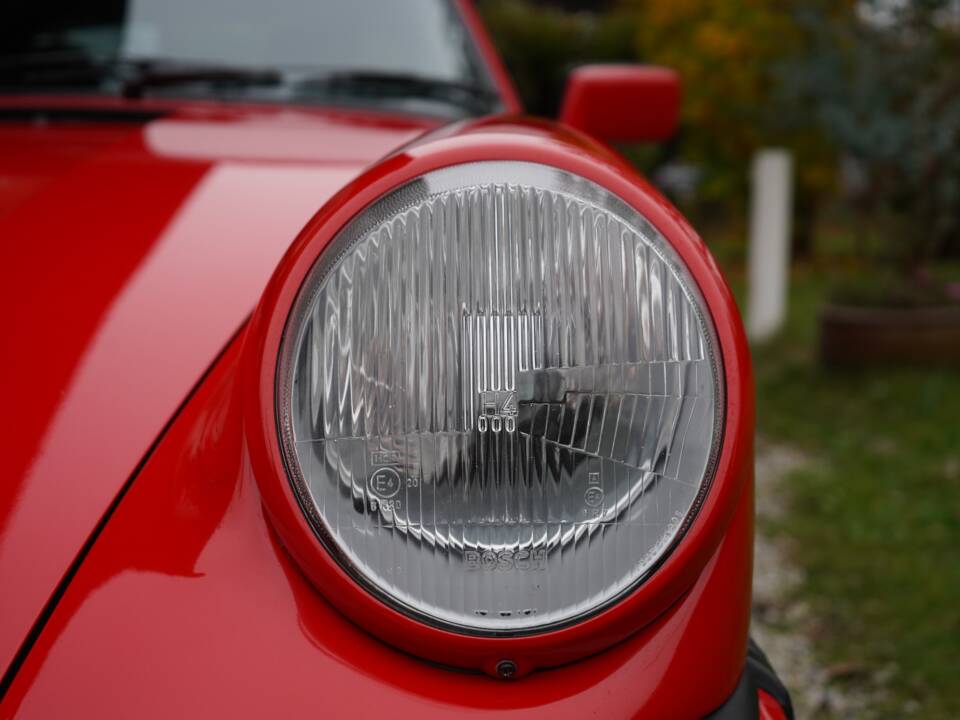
(500,398)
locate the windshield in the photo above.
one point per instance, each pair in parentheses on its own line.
(362,51)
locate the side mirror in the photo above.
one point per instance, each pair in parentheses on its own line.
(622,103)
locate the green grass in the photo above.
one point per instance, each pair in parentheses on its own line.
(874,519)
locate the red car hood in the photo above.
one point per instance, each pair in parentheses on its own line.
(130,252)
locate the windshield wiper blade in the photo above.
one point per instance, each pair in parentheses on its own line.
(364,83)
(137,76)
(49,68)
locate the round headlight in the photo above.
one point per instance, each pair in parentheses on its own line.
(499,398)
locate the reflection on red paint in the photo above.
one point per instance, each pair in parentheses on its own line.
(130,255)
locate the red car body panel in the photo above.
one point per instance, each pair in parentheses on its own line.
(131,254)
(187,605)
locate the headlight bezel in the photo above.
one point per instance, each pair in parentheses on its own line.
(442,644)
(384,211)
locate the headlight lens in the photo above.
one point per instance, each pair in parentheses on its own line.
(500,402)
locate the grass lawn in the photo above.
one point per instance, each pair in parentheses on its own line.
(874,520)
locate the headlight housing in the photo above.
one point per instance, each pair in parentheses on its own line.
(499,398)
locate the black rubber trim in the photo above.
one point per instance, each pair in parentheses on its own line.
(65,114)
(54,600)
(758,674)
(742,705)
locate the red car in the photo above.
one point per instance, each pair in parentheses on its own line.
(335,387)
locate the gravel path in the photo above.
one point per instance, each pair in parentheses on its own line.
(783,624)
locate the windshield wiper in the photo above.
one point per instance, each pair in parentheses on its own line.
(133,78)
(361,84)
(137,76)
(49,68)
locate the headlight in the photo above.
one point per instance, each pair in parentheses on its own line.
(499,398)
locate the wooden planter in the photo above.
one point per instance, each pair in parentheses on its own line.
(860,336)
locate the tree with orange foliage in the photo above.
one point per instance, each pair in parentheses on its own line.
(732,55)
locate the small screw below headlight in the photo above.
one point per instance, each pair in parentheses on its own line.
(506,669)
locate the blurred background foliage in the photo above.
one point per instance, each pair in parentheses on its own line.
(886,93)
(865,94)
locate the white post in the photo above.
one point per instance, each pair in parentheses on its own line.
(771,201)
